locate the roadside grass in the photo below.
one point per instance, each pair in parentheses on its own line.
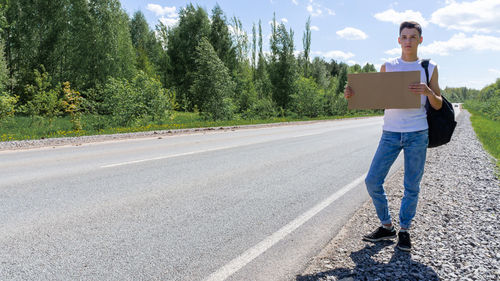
(26,128)
(488,132)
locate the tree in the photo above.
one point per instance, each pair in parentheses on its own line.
(43,99)
(220,38)
(283,72)
(212,86)
(162,31)
(306,40)
(307,100)
(320,73)
(140,35)
(240,40)
(262,82)
(183,40)
(254,50)
(368,68)
(4,74)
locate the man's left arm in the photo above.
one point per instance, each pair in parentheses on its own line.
(432,92)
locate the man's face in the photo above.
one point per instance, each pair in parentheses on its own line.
(409,39)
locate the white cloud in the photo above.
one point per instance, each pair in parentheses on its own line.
(168,15)
(460,42)
(316,10)
(169,21)
(315,28)
(457,42)
(494,71)
(398,17)
(295,2)
(351,33)
(393,52)
(162,11)
(477,16)
(334,54)
(283,20)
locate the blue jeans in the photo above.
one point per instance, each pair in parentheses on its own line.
(414,145)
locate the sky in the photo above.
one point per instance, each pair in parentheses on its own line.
(462,37)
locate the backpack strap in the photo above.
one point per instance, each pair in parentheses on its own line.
(425,65)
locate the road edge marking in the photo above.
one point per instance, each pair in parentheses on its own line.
(252,253)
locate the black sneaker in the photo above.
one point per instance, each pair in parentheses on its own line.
(404,243)
(380,234)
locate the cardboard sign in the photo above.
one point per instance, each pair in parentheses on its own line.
(383,90)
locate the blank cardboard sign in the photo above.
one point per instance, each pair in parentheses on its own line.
(383,90)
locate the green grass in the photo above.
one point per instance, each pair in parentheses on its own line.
(24,128)
(488,132)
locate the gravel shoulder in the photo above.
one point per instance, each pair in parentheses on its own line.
(455,233)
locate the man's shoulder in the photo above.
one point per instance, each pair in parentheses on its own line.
(431,62)
(392,61)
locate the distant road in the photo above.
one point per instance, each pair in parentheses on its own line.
(252,204)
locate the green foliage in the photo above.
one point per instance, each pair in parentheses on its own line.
(486,101)
(7,106)
(240,40)
(43,99)
(122,68)
(220,38)
(141,100)
(4,74)
(245,93)
(460,95)
(306,41)
(261,109)
(193,25)
(212,88)
(488,132)
(149,51)
(320,73)
(308,99)
(283,68)
(71,103)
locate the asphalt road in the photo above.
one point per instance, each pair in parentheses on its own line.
(250,204)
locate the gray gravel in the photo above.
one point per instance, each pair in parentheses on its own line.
(456,231)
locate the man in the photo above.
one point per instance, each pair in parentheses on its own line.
(403,129)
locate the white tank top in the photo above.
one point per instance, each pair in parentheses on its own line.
(407,120)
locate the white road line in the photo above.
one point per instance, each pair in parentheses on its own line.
(252,253)
(193,152)
(227,147)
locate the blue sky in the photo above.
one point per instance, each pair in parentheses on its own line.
(463,37)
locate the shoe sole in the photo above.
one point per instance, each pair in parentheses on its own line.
(379,239)
(404,249)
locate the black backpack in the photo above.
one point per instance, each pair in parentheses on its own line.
(441,122)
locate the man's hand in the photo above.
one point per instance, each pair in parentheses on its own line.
(421,89)
(348,92)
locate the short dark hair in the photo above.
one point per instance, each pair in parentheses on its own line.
(410,24)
